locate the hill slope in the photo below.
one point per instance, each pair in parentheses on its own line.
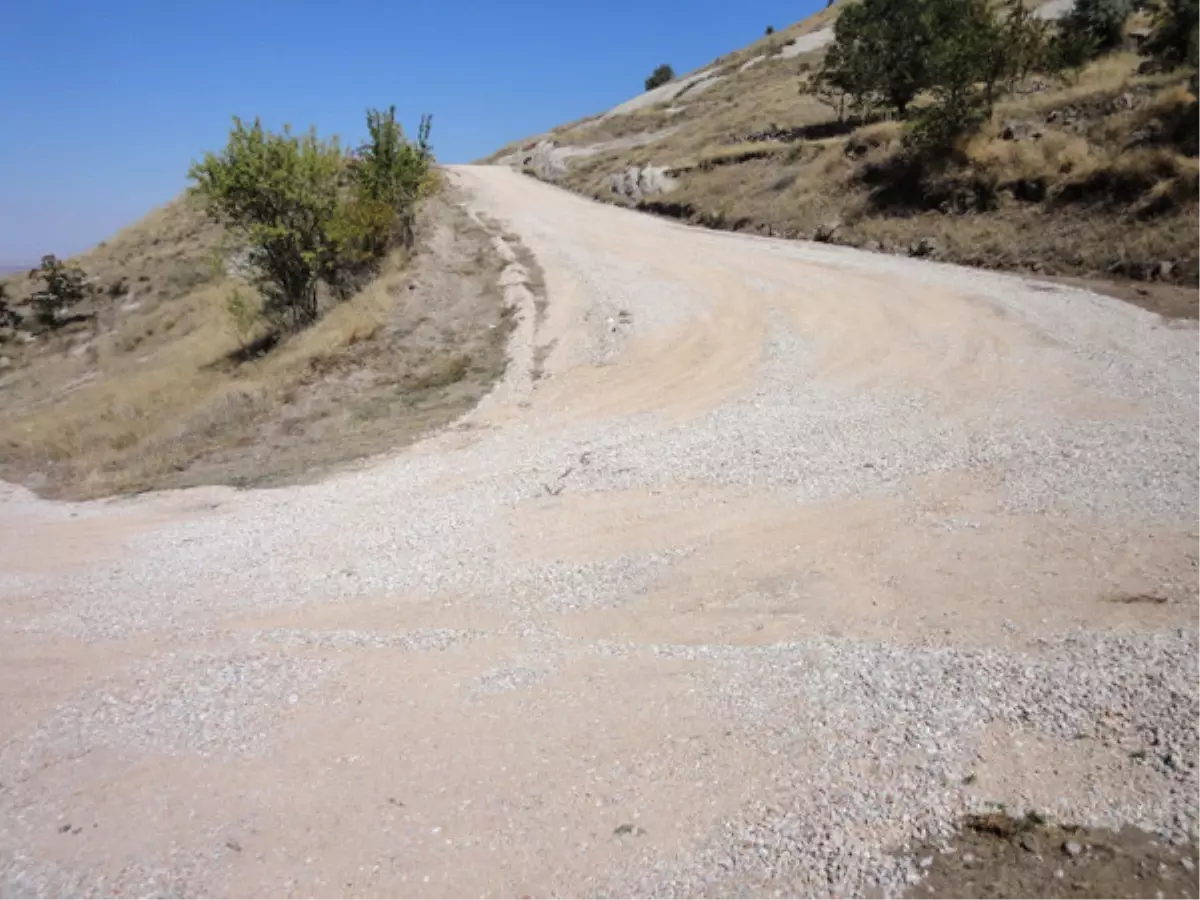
(1090,176)
(149,385)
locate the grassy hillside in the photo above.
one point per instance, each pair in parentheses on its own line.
(148,385)
(1092,173)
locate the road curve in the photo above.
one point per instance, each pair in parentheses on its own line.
(766,562)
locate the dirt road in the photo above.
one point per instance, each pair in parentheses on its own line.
(766,562)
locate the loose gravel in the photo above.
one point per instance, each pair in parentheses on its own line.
(1069,409)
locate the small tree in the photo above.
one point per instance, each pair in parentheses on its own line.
(964,63)
(770,30)
(389,175)
(1017,46)
(1095,26)
(391,169)
(879,54)
(63,286)
(660,76)
(279,193)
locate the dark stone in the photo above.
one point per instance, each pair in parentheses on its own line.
(926,246)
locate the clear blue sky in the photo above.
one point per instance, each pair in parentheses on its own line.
(104,103)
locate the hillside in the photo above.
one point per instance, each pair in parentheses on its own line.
(1089,174)
(149,385)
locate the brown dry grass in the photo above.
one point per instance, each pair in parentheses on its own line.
(149,393)
(1107,189)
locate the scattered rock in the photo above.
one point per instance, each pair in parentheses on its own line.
(1072,848)
(826,232)
(926,246)
(872,246)
(628,830)
(1164,270)
(1016,130)
(545,161)
(5,362)
(639,182)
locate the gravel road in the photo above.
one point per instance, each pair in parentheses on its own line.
(767,562)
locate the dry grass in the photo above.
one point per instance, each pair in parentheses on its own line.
(149,393)
(1108,188)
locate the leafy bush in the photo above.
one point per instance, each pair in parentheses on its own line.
(963,65)
(308,213)
(770,30)
(391,170)
(660,76)
(63,286)
(280,194)
(878,57)
(886,53)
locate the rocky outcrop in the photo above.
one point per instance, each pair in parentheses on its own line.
(545,160)
(639,182)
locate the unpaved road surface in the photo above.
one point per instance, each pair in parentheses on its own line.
(790,558)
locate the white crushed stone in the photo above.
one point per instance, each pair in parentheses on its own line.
(393,529)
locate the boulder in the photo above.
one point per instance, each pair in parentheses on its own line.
(1016,130)
(546,161)
(826,232)
(639,182)
(926,246)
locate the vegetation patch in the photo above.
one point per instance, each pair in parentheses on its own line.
(303,307)
(960,130)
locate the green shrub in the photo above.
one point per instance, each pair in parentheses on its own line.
(1095,26)
(309,214)
(660,76)
(878,57)
(63,286)
(961,53)
(391,170)
(279,193)
(770,30)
